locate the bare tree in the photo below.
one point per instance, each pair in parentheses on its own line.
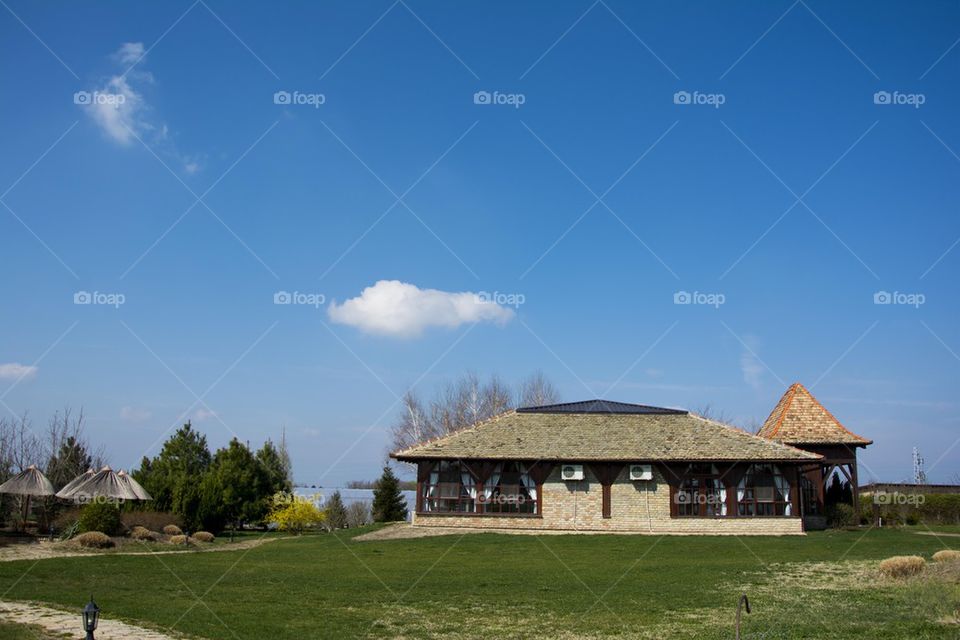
(537,391)
(461,403)
(358,514)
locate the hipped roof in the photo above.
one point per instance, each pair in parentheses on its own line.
(800,419)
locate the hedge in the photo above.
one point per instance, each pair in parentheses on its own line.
(903,508)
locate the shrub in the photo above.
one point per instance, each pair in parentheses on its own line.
(172,530)
(295,514)
(902,566)
(101,516)
(152,520)
(203,536)
(142,533)
(94,540)
(181,539)
(947,555)
(840,515)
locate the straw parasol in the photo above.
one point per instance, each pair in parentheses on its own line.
(103,484)
(134,486)
(76,482)
(29,482)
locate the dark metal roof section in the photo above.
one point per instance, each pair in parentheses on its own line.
(601,406)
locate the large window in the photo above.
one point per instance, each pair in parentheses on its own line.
(510,489)
(449,487)
(764,491)
(702,493)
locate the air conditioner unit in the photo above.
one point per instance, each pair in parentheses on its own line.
(572,472)
(641,472)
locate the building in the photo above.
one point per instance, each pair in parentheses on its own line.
(610,466)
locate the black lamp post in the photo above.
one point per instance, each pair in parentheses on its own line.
(91,616)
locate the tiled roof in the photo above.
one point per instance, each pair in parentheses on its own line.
(598,406)
(800,419)
(571,437)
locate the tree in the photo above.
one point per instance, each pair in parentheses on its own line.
(272,461)
(358,514)
(235,489)
(336,512)
(294,514)
(389,505)
(173,478)
(462,403)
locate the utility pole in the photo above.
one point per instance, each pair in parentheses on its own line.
(919,475)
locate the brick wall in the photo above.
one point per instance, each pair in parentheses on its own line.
(634,507)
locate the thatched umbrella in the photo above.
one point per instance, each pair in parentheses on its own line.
(134,486)
(103,484)
(76,482)
(29,482)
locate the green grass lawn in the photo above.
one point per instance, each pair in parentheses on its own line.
(497,586)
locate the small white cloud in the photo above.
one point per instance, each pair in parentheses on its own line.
(134,414)
(750,365)
(129,52)
(203,414)
(401,310)
(17,371)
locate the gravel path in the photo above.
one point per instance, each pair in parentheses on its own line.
(58,621)
(44,550)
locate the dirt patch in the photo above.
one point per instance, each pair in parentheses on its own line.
(58,621)
(44,550)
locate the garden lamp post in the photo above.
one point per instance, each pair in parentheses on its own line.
(91,616)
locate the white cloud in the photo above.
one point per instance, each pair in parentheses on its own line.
(17,371)
(134,414)
(401,310)
(119,107)
(203,414)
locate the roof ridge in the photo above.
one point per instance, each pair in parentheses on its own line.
(469,427)
(827,411)
(790,395)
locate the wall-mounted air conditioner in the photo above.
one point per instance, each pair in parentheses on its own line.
(641,472)
(572,472)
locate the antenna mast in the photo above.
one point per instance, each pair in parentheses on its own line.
(919,475)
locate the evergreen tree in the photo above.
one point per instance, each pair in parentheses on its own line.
(336,512)
(71,460)
(174,477)
(389,504)
(235,490)
(271,460)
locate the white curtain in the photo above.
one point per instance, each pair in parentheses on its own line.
(431,487)
(784,488)
(492,481)
(723,498)
(742,487)
(530,485)
(466,478)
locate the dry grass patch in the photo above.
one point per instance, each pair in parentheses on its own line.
(203,536)
(172,530)
(947,555)
(902,566)
(94,540)
(143,534)
(180,540)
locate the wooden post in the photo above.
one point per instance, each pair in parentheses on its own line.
(854,485)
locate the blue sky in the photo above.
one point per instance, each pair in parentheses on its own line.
(784,161)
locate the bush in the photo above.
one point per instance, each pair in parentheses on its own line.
(66,519)
(840,515)
(203,536)
(94,540)
(172,530)
(100,516)
(142,533)
(152,520)
(181,539)
(902,566)
(947,555)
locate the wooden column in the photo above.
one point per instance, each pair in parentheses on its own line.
(606,474)
(854,486)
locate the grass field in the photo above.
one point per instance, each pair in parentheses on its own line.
(497,586)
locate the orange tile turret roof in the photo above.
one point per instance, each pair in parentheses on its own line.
(800,419)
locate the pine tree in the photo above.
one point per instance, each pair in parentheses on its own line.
(389,504)
(336,512)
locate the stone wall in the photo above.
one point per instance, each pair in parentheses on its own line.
(636,507)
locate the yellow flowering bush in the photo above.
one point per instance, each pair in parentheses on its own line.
(295,513)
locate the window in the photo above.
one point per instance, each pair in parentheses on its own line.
(811,497)
(510,489)
(702,493)
(449,487)
(764,491)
